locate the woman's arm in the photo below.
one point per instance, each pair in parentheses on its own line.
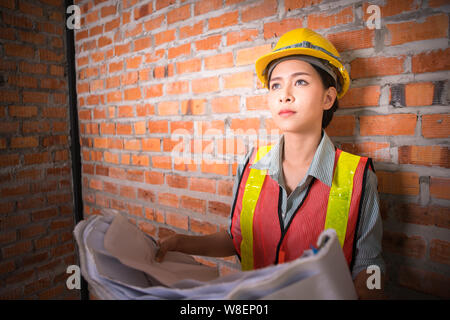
(217,244)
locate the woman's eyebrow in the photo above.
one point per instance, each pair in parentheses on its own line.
(292,75)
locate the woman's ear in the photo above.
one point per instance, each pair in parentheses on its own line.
(329,97)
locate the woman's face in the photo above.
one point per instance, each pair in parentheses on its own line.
(297,97)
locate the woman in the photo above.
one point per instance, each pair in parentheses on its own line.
(285,195)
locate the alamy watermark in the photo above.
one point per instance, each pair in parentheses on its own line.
(73,21)
(374,20)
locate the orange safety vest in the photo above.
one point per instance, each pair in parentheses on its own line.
(257,229)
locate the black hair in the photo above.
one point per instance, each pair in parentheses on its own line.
(327,82)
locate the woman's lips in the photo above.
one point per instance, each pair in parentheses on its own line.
(285,113)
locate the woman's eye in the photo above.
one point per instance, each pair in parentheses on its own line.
(301,82)
(275,86)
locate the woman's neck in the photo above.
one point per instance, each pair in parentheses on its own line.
(299,148)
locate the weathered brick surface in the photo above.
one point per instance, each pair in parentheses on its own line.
(36,215)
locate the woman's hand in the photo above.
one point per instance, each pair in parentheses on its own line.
(166,244)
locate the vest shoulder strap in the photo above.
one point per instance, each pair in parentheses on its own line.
(341,194)
(252,190)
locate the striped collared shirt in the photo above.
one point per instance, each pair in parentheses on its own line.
(370,231)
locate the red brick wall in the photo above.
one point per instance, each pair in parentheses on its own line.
(36,216)
(149,69)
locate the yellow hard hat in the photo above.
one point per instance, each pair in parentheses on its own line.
(305,42)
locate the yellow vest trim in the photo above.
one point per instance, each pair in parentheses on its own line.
(252,190)
(341,194)
(337,210)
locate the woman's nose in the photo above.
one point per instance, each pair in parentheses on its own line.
(286,97)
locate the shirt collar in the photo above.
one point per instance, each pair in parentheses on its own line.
(321,166)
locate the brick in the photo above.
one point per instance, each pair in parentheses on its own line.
(419,94)
(143,11)
(162,162)
(177,220)
(177,181)
(211,127)
(184,127)
(249,55)
(115,66)
(235,37)
(440,251)
(431,61)
(168,199)
(224,20)
(193,204)
(376,66)
(205,85)
(360,97)
(219,208)
(193,107)
(178,14)
(324,20)
(202,227)
(154,177)
(184,49)
(178,87)
(22,111)
(205,6)
(161,126)
(166,108)
(36,68)
(22,81)
(214,167)
(277,29)
(424,155)
(296,4)
(225,104)
(440,187)
(219,61)
(341,126)
(202,185)
(140,160)
(139,127)
(24,142)
(154,23)
(16,50)
(225,187)
(436,126)
(30,37)
(134,62)
(191,31)
(388,125)
(16,249)
(132,94)
(378,151)
(424,281)
(164,37)
(154,91)
(402,183)
(257,103)
(400,243)
(146,195)
(352,40)
(433,27)
(238,80)
(209,43)
(265,9)
(437,3)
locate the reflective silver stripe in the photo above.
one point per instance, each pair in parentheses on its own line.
(307,44)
